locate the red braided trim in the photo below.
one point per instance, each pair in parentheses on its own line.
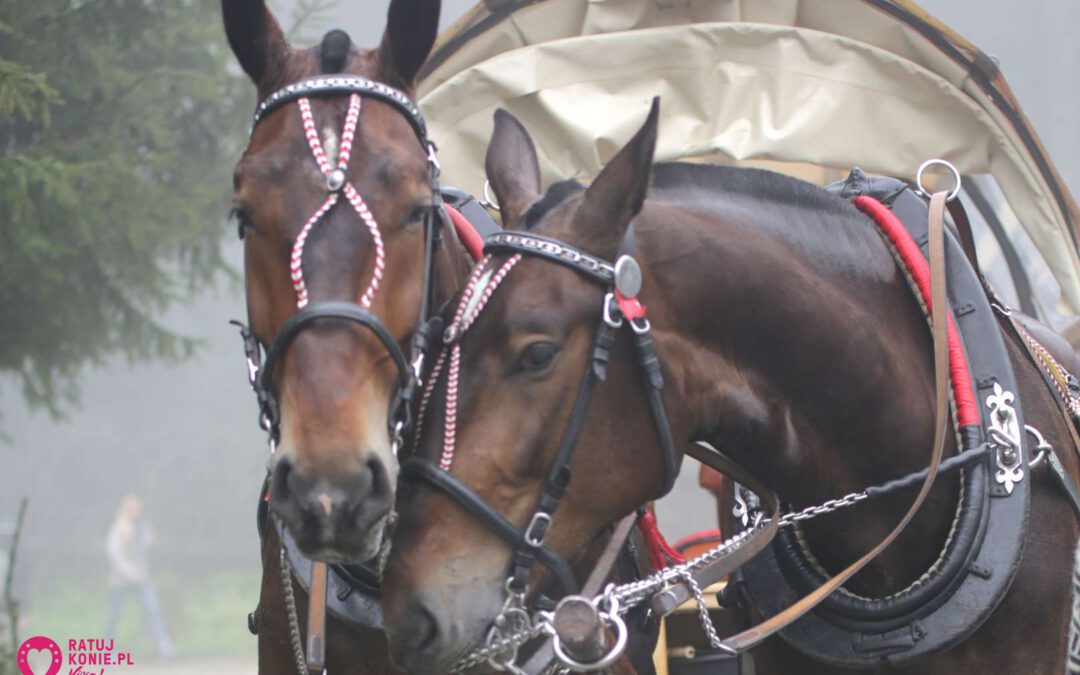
(967,412)
(660,551)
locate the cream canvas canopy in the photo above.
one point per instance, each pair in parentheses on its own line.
(804,86)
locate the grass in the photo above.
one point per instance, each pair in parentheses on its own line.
(205,616)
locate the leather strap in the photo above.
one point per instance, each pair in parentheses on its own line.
(939,319)
(430,473)
(331,310)
(316,630)
(601,572)
(1021,335)
(670,598)
(967,238)
(1067,483)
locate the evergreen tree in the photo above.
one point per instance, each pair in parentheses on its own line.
(120,121)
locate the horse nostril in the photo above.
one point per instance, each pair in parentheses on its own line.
(380,481)
(279,480)
(427,627)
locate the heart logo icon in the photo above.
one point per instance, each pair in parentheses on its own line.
(37,645)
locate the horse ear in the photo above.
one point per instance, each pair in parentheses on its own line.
(512,167)
(618,193)
(411,26)
(256,38)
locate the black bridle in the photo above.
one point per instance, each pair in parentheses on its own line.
(261,373)
(529,547)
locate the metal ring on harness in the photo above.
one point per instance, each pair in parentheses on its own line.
(487,201)
(611,618)
(954,193)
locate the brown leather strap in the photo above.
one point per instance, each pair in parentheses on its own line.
(601,571)
(1068,483)
(967,237)
(939,318)
(670,598)
(316,626)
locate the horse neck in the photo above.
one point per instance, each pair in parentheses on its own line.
(799,349)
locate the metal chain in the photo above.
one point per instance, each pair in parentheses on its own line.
(503,644)
(821,509)
(703,611)
(290,612)
(633,593)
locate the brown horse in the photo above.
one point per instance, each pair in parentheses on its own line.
(333,473)
(788,338)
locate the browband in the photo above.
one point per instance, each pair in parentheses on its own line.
(345,84)
(553,250)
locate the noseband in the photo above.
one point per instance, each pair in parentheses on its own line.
(260,373)
(621,282)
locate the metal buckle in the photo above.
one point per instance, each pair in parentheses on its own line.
(609,319)
(539,520)
(433,157)
(640,325)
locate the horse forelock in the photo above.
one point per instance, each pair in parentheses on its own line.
(555,195)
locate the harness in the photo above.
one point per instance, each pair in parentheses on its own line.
(621,282)
(260,372)
(975,569)
(345,579)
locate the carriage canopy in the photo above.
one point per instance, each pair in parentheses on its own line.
(807,87)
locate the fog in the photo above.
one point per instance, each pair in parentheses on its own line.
(185,439)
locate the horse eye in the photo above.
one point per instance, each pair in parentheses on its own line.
(537,356)
(418,213)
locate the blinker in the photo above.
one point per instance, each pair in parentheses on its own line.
(627,276)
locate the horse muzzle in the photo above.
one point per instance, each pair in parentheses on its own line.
(335,518)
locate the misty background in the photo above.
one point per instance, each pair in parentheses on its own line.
(184,436)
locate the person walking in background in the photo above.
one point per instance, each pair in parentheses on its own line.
(127,546)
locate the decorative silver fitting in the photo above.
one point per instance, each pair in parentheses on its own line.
(1004,434)
(627,276)
(335,180)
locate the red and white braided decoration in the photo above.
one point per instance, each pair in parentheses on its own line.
(348,134)
(472,303)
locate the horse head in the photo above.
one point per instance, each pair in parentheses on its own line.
(519,340)
(332,194)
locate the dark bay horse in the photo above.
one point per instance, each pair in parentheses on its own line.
(789,340)
(333,473)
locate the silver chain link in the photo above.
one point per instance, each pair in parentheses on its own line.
(631,594)
(290,612)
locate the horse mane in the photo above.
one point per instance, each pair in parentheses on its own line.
(678,178)
(334,51)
